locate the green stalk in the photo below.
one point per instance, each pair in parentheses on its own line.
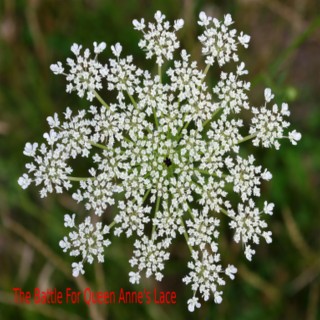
(159,73)
(100,146)
(156,210)
(186,235)
(132,100)
(80,178)
(111,224)
(101,100)
(209,120)
(155,117)
(206,69)
(224,211)
(146,195)
(247,138)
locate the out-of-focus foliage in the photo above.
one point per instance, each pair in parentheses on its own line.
(283,280)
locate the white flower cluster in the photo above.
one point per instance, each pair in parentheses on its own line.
(87,241)
(268,125)
(85,73)
(149,255)
(165,154)
(249,226)
(205,277)
(218,42)
(159,41)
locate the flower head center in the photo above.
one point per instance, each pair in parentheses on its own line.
(167,162)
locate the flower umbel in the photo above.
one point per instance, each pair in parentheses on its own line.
(165,153)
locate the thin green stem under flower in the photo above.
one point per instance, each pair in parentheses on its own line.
(146,195)
(101,100)
(224,211)
(247,138)
(111,225)
(155,117)
(80,178)
(159,73)
(210,174)
(186,235)
(98,145)
(213,115)
(156,210)
(132,100)
(206,69)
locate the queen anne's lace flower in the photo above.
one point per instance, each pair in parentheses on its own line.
(150,256)
(85,73)
(159,40)
(205,275)
(218,41)
(87,242)
(249,226)
(165,153)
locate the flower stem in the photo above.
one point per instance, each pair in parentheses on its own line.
(80,178)
(111,225)
(186,235)
(247,138)
(159,73)
(224,211)
(210,174)
(98,145)
(132,100)
(146,196)
(101,100)
(206,69)
(213,115)
(156,210)
(155,117)
(183,128)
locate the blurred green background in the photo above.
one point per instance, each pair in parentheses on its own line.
(283,280)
